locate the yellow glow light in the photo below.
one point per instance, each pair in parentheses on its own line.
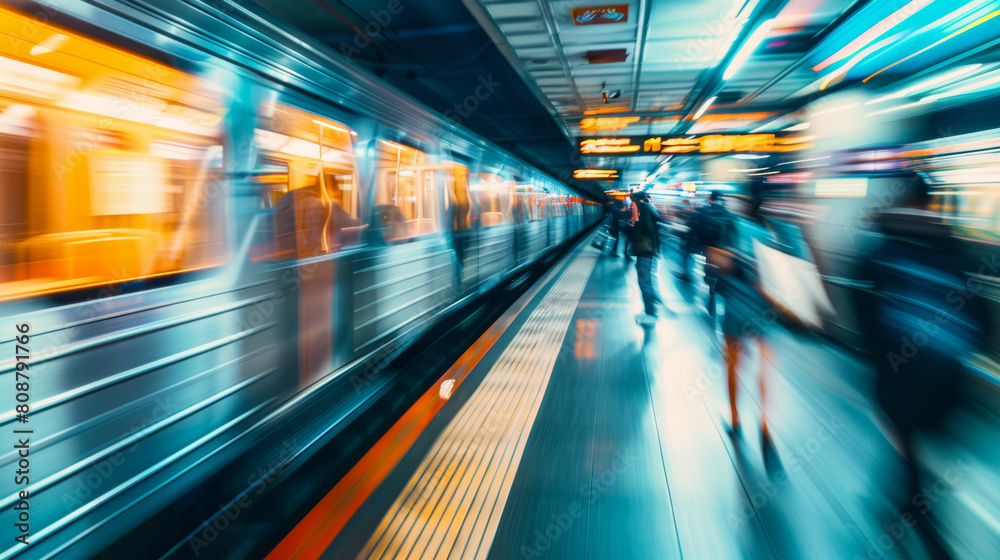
(607,123)
(608,146)
(595,174)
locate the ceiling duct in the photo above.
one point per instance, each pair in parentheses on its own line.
(606,56)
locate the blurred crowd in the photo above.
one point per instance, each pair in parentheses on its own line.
(914,305)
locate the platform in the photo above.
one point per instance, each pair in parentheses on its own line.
(571,431)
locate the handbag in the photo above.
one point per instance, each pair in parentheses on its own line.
(723,262)
(601,240)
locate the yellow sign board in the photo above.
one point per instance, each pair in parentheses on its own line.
(595,174)
(695,145)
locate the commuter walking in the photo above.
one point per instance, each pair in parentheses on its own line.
(621,226)
(921,323)
(708,228)
(645,248)
(746,306)
(685,240)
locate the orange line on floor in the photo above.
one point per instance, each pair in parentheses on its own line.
(317,530)
(314,534)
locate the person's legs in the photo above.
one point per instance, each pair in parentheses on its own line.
(925,527)
(732,360)
(765,358)
(685,248)
(644,270)
(711,296)
(614,248)
(654,286)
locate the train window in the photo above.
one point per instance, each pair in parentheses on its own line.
(493,195)
(528,200)
(306,174)
(407,191)
(110,164)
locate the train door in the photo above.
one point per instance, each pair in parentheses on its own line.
(492,193)
(309,204)
(406,273)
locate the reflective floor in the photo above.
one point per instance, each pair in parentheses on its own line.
(582,433)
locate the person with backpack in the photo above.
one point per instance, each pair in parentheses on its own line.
(709,226)
(645,248)
(621,227)
(686,243)
(921,322)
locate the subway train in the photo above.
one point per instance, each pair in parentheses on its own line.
(208,218)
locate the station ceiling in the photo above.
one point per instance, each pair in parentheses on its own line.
(565,69)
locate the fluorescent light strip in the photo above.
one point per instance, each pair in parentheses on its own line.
(804,160)
(906,106)
(768,125)
(704,108)
(835,109)
(736,9)
(926,84)
(964,89)
(751,45)
(875,32)
(854,61)
(979,21)
(327,125)
(955,193)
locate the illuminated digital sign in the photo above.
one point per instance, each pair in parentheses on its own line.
(607,123)
(595,174)
(600,15)
(693,144)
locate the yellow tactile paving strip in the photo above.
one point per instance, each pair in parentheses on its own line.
(452,505)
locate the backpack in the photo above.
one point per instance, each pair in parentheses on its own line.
(710,224)
(644,236)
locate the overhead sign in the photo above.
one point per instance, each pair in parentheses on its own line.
(607,123)
(600,14)
(595,174)
(693,145)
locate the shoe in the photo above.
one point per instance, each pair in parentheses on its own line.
(772,461)
(734,430)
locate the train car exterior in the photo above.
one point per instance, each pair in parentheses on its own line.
(209,217)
